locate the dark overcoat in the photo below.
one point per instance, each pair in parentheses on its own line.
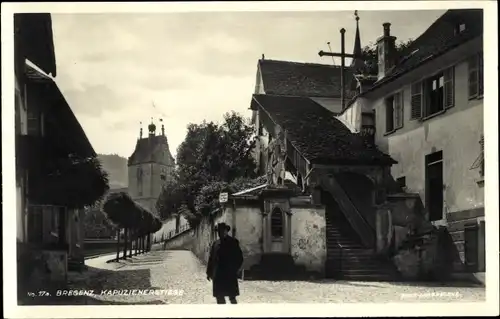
(224,262)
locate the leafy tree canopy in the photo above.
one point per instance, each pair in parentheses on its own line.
(371,58)
(211,157)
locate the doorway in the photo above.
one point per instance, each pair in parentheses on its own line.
(434,196)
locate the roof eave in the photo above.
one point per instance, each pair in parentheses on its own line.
(394,77)
(84,147)
(382,162)
(40,49)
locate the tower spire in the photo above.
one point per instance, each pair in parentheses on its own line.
(357,62)
(152,128)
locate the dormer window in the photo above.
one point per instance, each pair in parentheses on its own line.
(460,28)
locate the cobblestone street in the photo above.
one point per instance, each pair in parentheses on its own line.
(181,278)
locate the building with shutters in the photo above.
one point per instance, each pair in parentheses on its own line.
(389,186)
(428,111)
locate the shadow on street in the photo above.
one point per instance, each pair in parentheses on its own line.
(97,280)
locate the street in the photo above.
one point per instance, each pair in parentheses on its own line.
(177,277)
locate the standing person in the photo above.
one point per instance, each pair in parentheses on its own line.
(224,262)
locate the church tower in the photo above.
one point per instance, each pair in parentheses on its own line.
(150,166)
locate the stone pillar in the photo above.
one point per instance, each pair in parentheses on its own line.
(286,232)
(383,229)
(378,177)
(266,235)
(315,193)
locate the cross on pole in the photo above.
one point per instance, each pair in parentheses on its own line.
(342,56)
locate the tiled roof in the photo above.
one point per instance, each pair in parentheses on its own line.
(303,79)
(60,122)
(316,133)
(439,38)
(152,149)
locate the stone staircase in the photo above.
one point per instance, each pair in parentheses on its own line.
(347,258)
(278,266)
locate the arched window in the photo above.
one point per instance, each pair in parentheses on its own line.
(277,223)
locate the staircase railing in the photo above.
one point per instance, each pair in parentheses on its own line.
(352,214)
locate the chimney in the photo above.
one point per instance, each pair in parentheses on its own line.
(386,51)
(387,29)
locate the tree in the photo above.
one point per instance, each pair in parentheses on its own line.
(69,181)
(371,57)
(209,159)
(137,222)
(170,199)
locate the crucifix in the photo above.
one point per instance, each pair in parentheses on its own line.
(342,56)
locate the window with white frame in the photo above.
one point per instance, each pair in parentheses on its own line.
(476,76)
(433,94)
(394,112)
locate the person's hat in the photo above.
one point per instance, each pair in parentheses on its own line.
(222,225)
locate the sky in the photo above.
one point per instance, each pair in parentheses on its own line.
(194,66)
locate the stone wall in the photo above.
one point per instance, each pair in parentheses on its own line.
(169,227)
(308,237)
(407,216)
(248,227)
(407,210)
(182,241)
(205,235)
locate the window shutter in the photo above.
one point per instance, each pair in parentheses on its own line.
(389,114)
(449,98)
(473,76)
(416,101)
(398,110)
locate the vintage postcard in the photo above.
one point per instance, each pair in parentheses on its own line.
(281,158)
